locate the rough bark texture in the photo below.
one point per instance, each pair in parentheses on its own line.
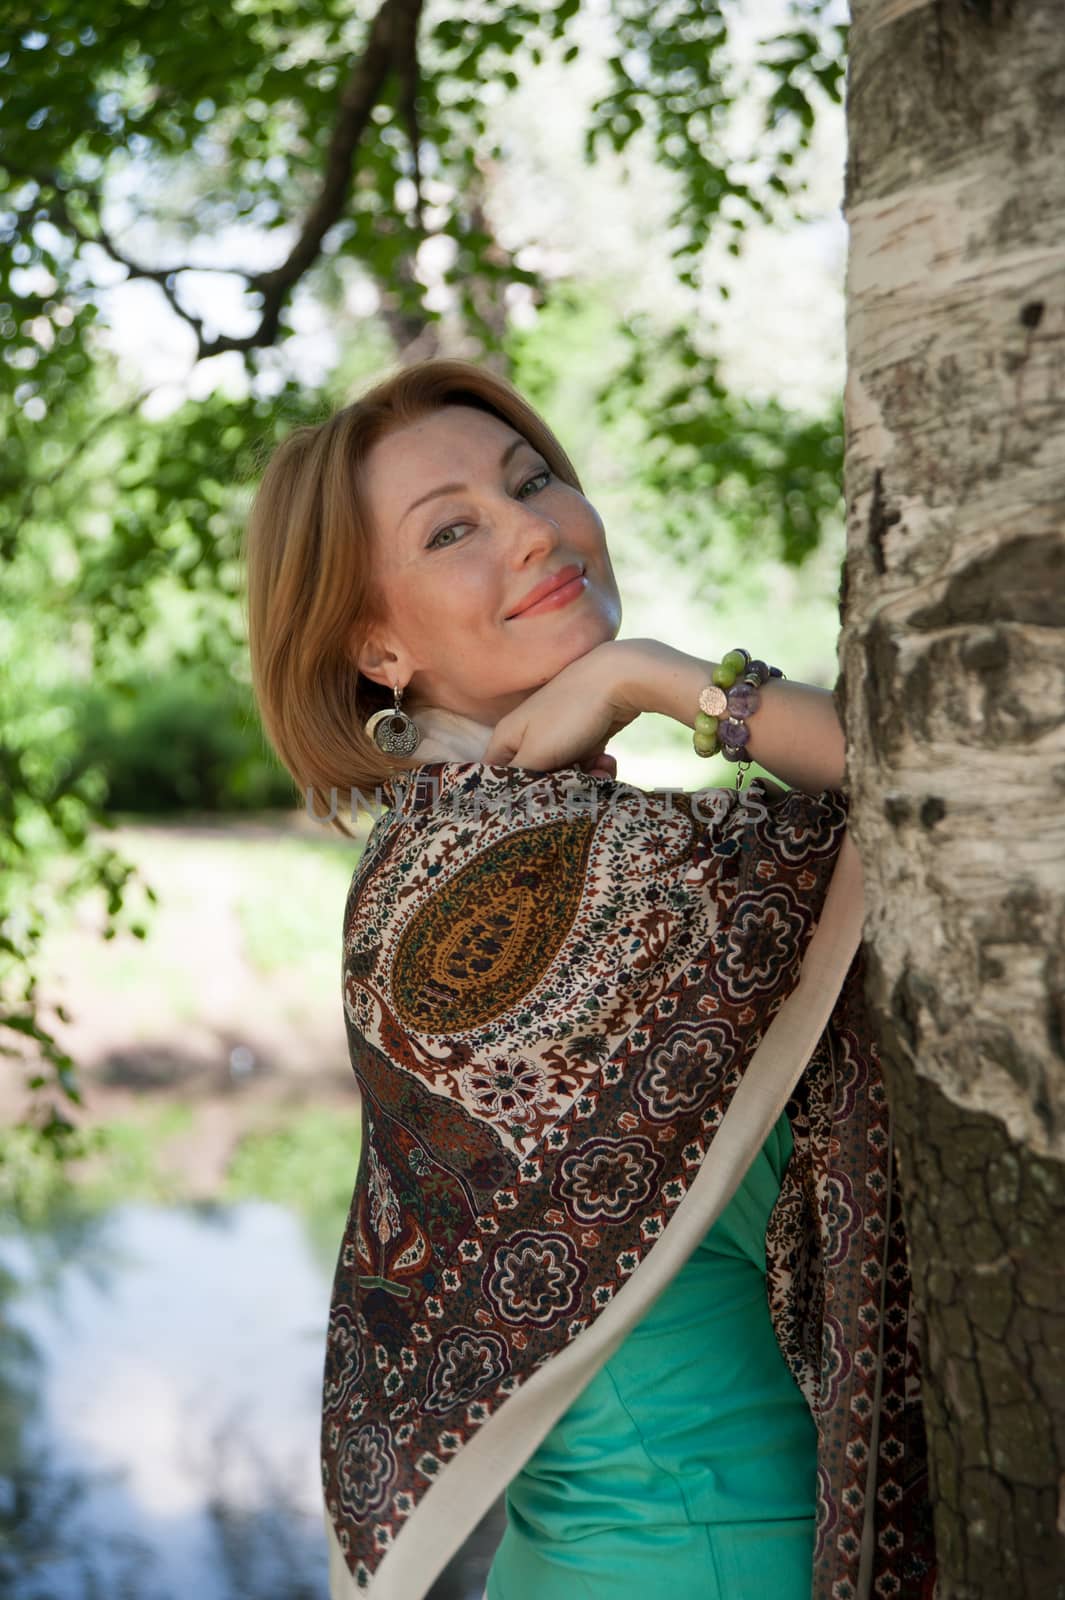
(951,689)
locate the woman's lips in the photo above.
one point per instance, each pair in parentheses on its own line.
(558,597)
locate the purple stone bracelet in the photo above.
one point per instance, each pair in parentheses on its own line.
(741,702)
(732,735)
(730,708)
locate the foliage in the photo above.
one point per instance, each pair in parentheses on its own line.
(671,72)
(34,1184)
(136,132)
(305,1160)
(775,477)
(187,741)
(83,607)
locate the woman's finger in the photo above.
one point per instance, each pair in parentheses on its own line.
(498,753)
(601,765)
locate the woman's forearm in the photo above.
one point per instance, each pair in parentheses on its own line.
(795,734)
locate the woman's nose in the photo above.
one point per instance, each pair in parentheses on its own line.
(533,534)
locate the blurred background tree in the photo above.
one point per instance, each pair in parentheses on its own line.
(221,221)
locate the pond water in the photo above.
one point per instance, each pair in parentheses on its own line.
(160,1376)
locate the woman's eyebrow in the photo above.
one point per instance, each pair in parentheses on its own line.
(451,488)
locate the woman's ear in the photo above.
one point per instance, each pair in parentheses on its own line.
(377,662)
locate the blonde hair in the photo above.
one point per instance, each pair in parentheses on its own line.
(311,591)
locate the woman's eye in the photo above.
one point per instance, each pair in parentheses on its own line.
(544,473)
(432,545)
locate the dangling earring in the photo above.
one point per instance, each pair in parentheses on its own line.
(392,730)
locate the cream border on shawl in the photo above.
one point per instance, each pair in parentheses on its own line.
(470,1483)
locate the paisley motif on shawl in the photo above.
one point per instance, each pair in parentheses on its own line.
(491,930)
(504,1008)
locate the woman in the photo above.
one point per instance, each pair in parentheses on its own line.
(625,1238)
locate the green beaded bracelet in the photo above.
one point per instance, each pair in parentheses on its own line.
(729,668)
(715,703)
(705,740)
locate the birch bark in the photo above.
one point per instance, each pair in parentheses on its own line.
(951,690)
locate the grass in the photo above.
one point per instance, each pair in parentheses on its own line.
(305,1160)
(277,903)
(308,1163)
(280,905)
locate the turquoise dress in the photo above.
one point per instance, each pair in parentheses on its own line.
(686,1468)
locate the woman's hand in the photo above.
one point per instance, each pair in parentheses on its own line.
(795,734)
(569,720)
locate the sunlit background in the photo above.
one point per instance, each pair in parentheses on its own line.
(180,1122)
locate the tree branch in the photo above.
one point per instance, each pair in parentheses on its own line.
(391,46)
(60,212)
(392,39)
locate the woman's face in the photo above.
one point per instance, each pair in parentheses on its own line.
(460,537)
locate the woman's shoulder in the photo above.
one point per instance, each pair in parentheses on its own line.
(445,817)
(483,879)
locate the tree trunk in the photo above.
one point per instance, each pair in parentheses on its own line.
(951,689)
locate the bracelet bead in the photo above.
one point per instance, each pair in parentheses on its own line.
(733,735)
(743,700)
(705,724)
(712,700)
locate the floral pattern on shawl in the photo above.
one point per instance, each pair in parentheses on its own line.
(549,1005)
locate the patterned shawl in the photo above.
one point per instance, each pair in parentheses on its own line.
(575,1010)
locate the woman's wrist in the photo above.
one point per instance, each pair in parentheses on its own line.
(653,676)
(795,734)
